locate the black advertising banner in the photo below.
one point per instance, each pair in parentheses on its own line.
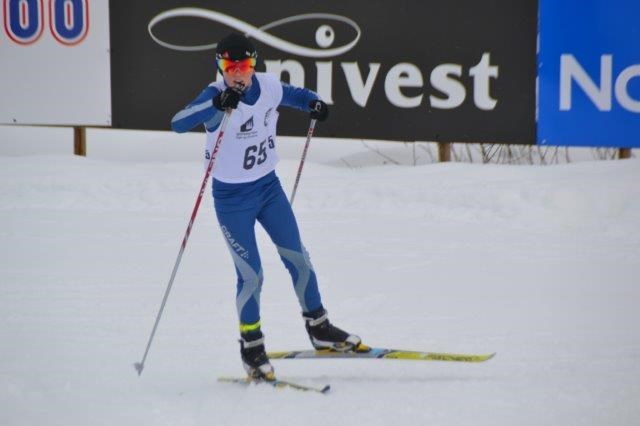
(451,71)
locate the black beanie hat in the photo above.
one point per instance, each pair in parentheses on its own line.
(235,47)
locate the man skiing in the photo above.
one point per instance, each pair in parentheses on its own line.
(246,189)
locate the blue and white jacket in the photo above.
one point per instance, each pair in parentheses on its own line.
(248,149)
(202,111)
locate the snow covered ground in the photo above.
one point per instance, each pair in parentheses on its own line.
(539,264)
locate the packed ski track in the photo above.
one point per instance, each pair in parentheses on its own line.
(538,264)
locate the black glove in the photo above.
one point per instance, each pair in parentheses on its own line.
(319,110)
(227,99)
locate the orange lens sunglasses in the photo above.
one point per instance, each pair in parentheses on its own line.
(243,65)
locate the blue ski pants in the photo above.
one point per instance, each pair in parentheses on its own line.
(238,206)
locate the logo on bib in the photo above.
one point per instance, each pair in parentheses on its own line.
(267,116)
(247,126)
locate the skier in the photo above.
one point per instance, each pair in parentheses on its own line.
(246,189)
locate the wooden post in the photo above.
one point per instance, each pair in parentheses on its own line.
(80,141)
(444,152)
(624,153)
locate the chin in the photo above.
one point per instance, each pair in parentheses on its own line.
(239,82)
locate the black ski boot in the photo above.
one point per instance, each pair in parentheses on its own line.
(254,357)
(325,335)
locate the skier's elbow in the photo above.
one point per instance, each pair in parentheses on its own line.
(178,125)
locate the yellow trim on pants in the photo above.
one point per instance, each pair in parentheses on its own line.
(245,328)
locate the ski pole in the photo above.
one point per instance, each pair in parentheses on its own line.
(312,127)
(139,366)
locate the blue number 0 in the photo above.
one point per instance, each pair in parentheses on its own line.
(23,20)
(69,20)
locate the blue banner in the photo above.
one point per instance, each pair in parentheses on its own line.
(589,73)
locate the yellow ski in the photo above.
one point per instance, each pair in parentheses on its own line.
(366,352)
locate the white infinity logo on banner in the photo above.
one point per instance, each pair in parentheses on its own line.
(324,34)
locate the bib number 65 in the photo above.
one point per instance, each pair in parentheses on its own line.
(257,154)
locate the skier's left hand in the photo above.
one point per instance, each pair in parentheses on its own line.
(319,110)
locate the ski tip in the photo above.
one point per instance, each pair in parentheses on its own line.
(435,356)
(480,358)
(469,358)
(279,384)
(486,357)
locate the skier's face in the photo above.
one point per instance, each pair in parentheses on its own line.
(237,73)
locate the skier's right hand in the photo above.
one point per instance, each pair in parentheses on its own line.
(227,99)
